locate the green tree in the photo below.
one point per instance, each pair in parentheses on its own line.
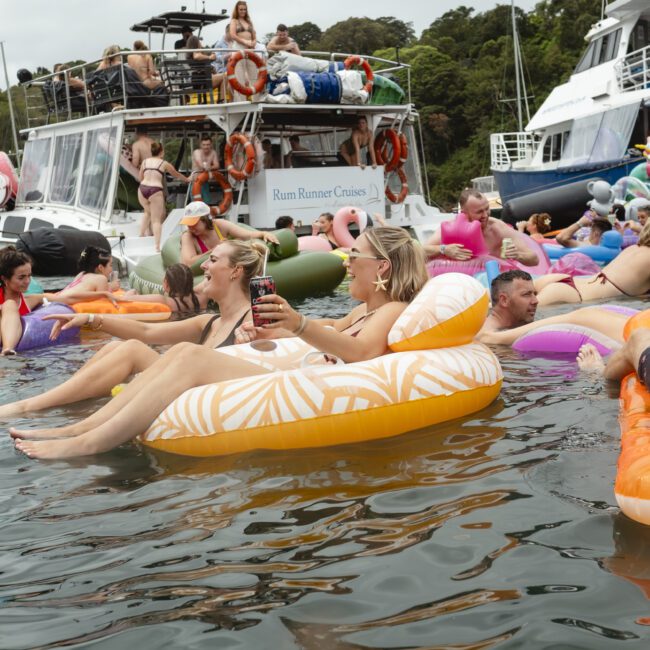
(305,34)
(354,35)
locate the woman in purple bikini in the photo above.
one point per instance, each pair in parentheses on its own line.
(151,193)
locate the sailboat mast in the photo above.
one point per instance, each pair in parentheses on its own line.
(515,42)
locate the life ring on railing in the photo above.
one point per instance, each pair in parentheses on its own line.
(403,149)
(223,183)
(390,195)
(370,75)
(235,84)
(248,167)
(388,136)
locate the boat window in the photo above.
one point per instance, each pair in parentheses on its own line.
(639,36)
(600,50)
(65,173)
(614,42)
(34,171)
(554,146)
(96,176)
(13,226)
(587,58)
(600,138)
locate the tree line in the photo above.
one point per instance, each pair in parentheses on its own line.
(462,75)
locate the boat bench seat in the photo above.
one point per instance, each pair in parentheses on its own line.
(56,99)
(188,81)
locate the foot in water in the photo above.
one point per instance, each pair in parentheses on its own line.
(9,353)
(65,448)
(41,434)
(589,359)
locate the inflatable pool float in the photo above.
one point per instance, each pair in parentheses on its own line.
(36,331)
(146,310)
(8,180)
(469,235)
(297,275)
(437,373)
(610,247)
(342,219)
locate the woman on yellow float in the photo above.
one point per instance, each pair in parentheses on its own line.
(387,270)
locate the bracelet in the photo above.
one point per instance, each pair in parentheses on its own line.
(301,327)
(442,249)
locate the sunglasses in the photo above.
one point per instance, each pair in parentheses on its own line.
(355,254)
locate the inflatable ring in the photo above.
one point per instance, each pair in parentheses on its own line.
(381,141)
(235,84)
(399,198)
(222,181)
(36,331)
(358,60)
(249,166)
(138,310)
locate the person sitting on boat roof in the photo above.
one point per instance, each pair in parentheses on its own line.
(361,137)
(477,208)
(285,222)
(204,233)
(194,43)
(536,225)
(141,147)
(144,66)
(597,226)
(110,57)
(514,301)
(282,42)
(76,89)
(186,32)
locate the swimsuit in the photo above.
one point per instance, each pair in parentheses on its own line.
(603,278)
(229,340)
(569,280)
(149,190)
(23,307)
(75,282)
(368,314)
(643,370)
(202,247)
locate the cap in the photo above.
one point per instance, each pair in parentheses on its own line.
(193,213)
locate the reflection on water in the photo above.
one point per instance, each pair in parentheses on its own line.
(499,530)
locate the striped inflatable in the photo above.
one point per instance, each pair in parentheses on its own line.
(437,373)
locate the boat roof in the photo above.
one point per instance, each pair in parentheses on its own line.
(171,22)
(620,8)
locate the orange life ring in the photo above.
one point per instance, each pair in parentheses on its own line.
(249,165)
(235,84)
(381,148)
(403,149)
(223,183)
(358,60)
(390,195)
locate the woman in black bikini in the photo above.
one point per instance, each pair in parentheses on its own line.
(151,193)
(387,270)
(227,275)
(324,227)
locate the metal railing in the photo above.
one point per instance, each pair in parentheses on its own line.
(508,148)
(633,71)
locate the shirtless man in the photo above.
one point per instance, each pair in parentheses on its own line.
(362,136)
(206,157)
(628,274)
(597,226)
(282,42)
(142,62)
(477,208)
(141,146)
(514,301)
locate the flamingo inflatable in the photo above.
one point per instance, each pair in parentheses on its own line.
(342,219)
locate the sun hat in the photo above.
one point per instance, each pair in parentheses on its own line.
(193,213)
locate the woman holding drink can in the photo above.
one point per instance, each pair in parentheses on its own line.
(387,271)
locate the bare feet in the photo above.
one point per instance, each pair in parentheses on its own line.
(9,353)
(50,448)
(41,434)
(589,359)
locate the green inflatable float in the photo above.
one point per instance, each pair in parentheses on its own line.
(297,274)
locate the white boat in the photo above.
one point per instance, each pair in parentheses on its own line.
(73,173)
(587,127)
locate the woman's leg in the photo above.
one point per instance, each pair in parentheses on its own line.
(158,214)
(186,366)
(112,365)
(145,224)
(11,328)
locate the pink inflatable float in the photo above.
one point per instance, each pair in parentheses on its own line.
(8,180)
(468,234)
(342,219)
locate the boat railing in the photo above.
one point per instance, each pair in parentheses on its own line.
(508,148)
(485,184)
(95,87)
(633,70)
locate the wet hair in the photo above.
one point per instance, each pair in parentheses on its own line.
(601,225)
(91,257)
(467,193)
(235,13)
(503,282)
(156,148)
(139,45)
(180,283)
(283,222)
(408,273)
(644,235)
(542,221)
(250,255)
(10,260)
(328,215)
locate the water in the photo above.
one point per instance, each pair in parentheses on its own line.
(498,530)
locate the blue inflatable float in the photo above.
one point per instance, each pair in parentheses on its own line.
(609,248)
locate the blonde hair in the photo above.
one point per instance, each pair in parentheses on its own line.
(408,273)
(249,254)
(644,235)
(110,53)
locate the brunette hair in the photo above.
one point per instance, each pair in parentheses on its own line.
(180,281)
(139,45)
(328,215)
(542,221)
(156,148)
(235,14)
(408,273)
(91,257)
(503,282)
(10,260)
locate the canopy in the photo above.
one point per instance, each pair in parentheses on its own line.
(171,22)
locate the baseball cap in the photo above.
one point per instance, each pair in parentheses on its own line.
(193,213)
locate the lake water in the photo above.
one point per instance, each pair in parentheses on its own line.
(498,530)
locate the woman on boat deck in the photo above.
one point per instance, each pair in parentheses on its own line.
(204,233)
(145,68)
(628,274)
(151,192)
(228,272)
(387,270)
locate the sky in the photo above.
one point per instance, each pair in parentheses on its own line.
(43,32)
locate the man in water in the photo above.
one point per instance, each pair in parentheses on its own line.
(477,208)
(282,42)
(514,301)
(597,226)
(285,222)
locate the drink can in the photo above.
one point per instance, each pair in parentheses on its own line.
(261,286)
(504,245)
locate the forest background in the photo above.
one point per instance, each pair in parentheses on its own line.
(462,75)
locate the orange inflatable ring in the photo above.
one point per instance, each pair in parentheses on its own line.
(399,198)
(105,306)
(403,149)
(260,82)
(381,141)
(223,183)
(370,75)
(249,165)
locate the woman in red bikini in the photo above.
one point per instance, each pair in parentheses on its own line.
(628,274)
(151,193)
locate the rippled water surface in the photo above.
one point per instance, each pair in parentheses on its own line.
(499,530)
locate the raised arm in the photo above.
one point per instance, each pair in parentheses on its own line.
(235,231)
(566,236)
